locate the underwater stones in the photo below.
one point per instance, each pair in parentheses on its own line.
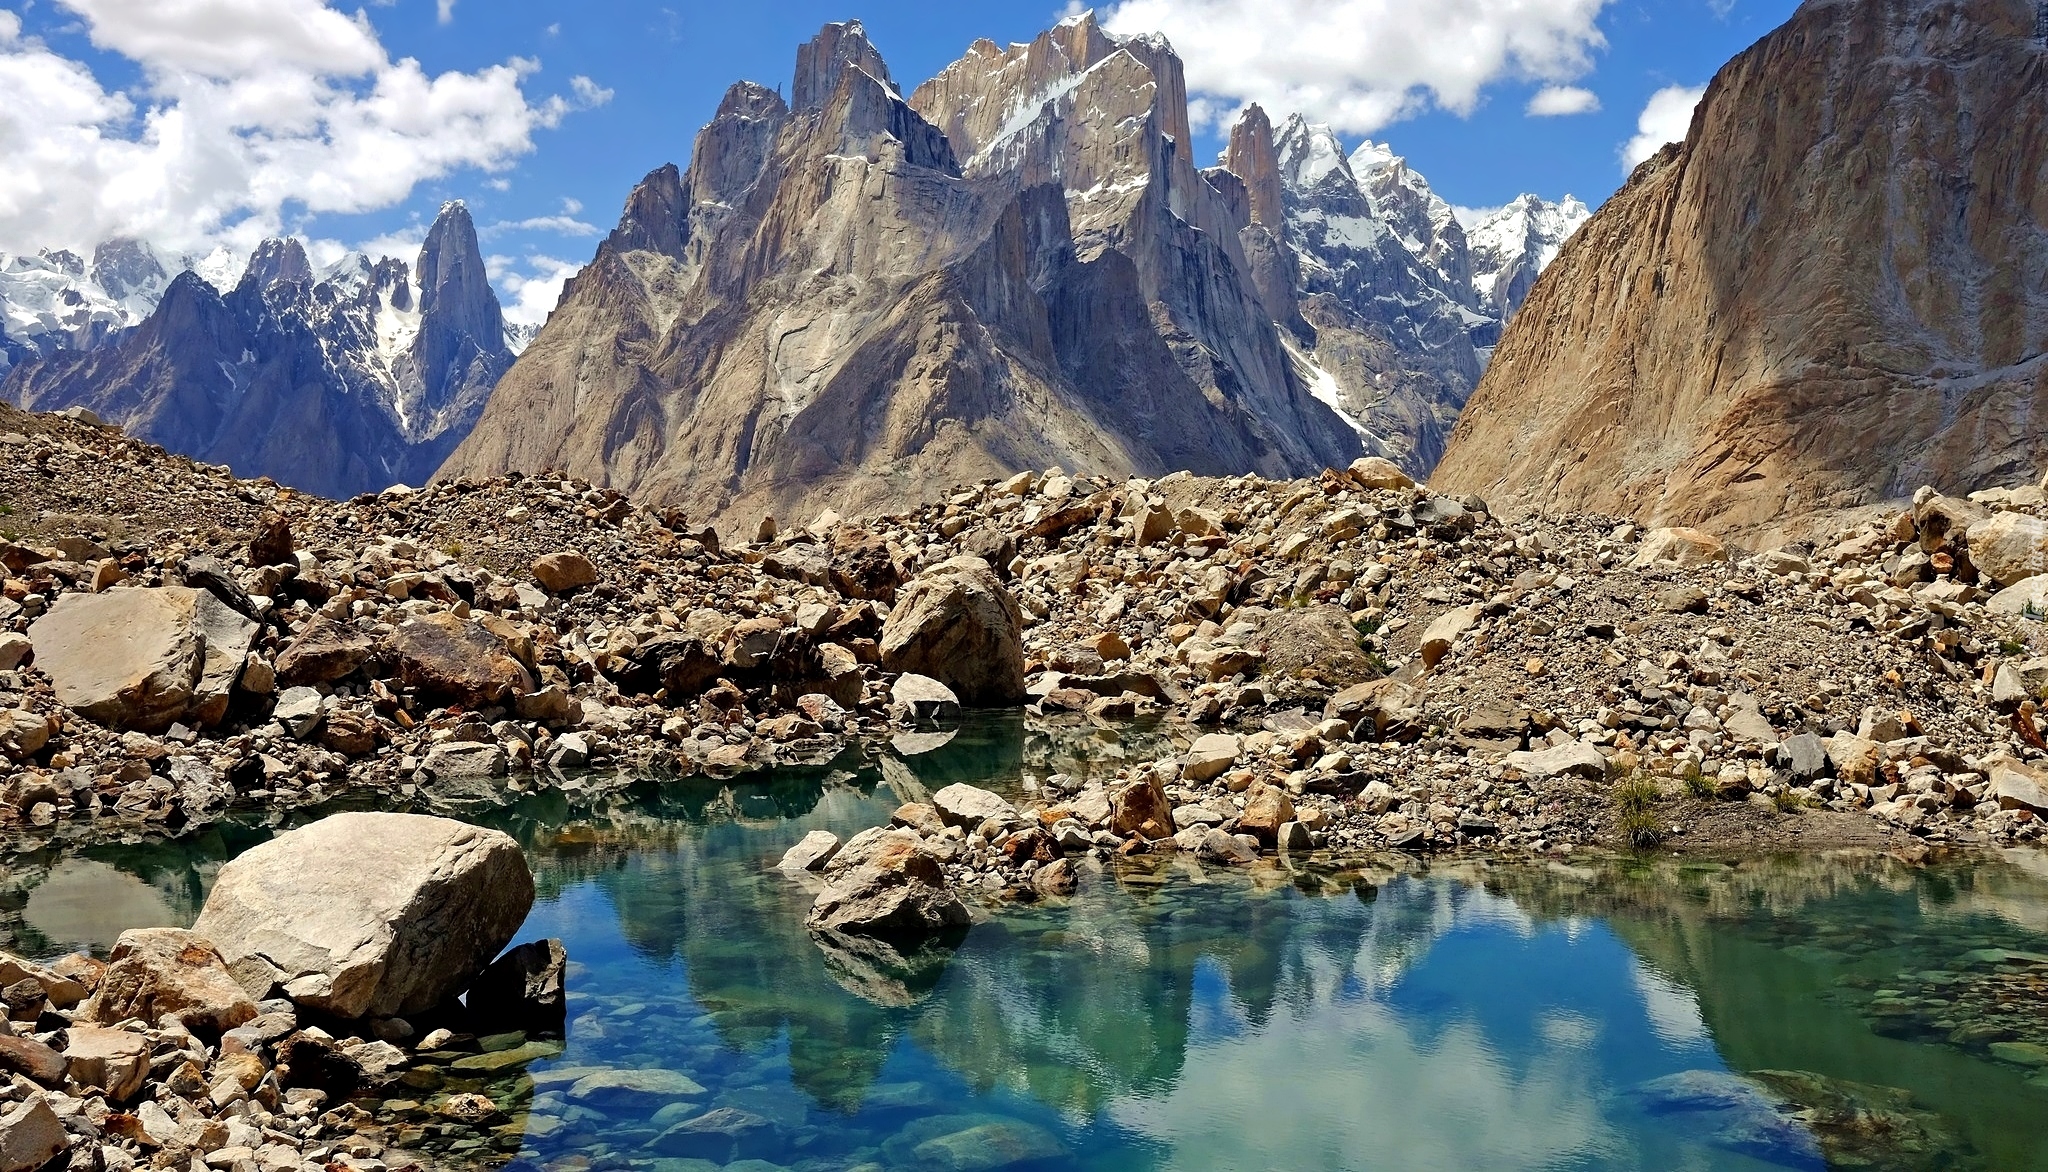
(971,1143)
(611,1086)
(723,1133)
(369,914)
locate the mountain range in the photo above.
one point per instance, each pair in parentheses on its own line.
(859,298)
(337,381)
(757,335)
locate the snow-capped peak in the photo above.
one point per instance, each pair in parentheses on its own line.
(1309,152)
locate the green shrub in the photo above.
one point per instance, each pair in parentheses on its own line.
(1635,809)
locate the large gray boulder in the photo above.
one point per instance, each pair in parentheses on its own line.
(957,624)
(134,658)
(369,915)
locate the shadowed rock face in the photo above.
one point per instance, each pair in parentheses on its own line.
(859,301)
(1830,293)
(341,381)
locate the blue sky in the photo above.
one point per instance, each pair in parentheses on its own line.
(554,110)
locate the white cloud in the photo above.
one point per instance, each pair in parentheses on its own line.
(1561,101)
(562,225)
(529,288)
(249,115)
(1666,117)
(444,11)
(1361,64)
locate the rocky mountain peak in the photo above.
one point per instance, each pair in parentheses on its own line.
(822,60)
(126,268)
(861,299)
(1310,157)
(654,219)
(1252,157)
(455,290)
(279,260)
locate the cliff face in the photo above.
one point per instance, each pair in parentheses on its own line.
(340,381)
(858,301)
(1835,290)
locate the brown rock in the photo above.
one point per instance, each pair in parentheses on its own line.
(863,567)
(324,652)
(154,973)
(1266,809)
(272,544)
(129,659)
(560,573)
(31,1136)
(890,886)
(454,660)
(957,624)
(32,1058)
(115,1061)
(1141,807)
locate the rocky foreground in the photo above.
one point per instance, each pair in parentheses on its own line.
(1350,664)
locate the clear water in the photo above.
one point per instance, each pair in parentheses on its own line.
(1611,1015)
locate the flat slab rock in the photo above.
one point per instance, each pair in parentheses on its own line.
(369,914)
(1576,758)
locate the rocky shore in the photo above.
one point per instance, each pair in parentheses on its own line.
(1339,666)
(1405,669)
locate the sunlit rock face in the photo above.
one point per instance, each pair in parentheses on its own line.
(859,299)
(1828,295)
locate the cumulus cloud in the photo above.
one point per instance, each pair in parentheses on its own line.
(1666,117)
(247,114)
(529,287)
(1562,101)
(1361,64)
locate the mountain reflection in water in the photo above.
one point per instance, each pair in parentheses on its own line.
(1782,1013)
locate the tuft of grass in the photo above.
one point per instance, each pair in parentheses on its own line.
(1697,785)
(452,549)
(1635,810)
(6,510)
(1367,628)
(2012,647)
(1788,802)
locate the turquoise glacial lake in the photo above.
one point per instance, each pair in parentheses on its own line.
(1803,1012)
